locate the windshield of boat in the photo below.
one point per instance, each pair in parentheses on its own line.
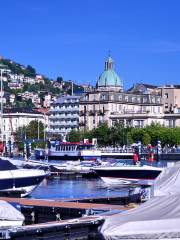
(123,162)
(5,165)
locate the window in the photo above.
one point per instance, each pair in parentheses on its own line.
(120,97)
(144,100)
(103,97)
(166,95)
(158,100)
(86,97)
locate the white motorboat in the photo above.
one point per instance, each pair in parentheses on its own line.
(24,181)
(128,174)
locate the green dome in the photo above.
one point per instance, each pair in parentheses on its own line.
(109,78)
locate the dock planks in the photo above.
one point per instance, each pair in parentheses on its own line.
(61,204)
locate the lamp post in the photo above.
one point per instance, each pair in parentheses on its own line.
(72,87)
(44,126)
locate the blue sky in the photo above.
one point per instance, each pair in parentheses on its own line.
(71,38)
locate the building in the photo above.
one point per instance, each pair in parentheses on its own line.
(170,98)
(64,115)
(108,103)
(47,100)
(14,118)
(143,88)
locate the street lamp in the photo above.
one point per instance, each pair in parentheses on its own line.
(72,87)
(3,69)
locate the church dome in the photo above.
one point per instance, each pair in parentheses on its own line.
(109,78)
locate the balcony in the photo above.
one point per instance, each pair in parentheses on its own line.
(82,113)
(130,112)
(82,124)
(100,113)
(92,113)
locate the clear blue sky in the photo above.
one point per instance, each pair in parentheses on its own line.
(71,38)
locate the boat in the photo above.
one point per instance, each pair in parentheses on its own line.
(158,218)
(10,216)
(69,151)
(14,180)
(128,174)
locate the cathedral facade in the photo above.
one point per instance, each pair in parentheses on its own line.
(109,103)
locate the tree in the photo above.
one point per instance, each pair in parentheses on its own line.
(102,133)
(30,71)
(146,139)
(34,88)
(29,103)
(74,136)
(33,130)
(59,79)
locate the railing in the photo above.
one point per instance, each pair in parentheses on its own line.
(116,150)
(130,112)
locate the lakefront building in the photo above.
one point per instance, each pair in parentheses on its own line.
(64,116)
(108,103)
(12,119)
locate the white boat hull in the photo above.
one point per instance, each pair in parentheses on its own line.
(11,223)
(126,181)
(21,181)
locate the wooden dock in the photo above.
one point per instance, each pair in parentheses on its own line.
(56,220)
(62,204)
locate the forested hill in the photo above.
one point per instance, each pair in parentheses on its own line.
(21,79)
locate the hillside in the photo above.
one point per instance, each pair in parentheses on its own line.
(24,87)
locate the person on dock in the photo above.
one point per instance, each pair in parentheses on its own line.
(135,158)
(150,156)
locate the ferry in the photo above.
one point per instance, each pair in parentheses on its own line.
(69,151)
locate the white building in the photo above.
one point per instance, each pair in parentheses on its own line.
(64,115)
(14,118)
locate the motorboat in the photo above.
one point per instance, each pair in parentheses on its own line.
(128,174)
(69,151)
(15,180)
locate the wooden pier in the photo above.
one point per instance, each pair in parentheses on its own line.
(52,219)
(63,204)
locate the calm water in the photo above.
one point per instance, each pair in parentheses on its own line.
(82,188)
(76,188)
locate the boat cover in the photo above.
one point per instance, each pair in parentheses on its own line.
(8,212)
(158,218)
(168,182)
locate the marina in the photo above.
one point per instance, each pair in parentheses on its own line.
(66,204)
(87,155)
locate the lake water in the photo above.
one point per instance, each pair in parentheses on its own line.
(76,188)
(83,188)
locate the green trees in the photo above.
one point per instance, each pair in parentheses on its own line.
(35,130)
(118,135)
(30,71)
